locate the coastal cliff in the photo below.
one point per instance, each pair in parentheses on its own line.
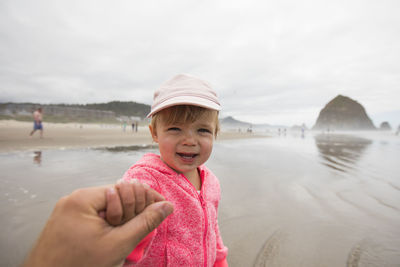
(343,113)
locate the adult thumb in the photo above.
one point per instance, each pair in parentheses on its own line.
(144,223)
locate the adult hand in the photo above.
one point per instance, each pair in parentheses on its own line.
(75,235)
(131,199)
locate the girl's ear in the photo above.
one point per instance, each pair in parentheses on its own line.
(153,134)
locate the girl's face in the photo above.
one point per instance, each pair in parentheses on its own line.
(184,147)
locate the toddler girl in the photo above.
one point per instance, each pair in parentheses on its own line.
(184,124)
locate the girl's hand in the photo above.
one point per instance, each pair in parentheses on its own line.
(128,199)
(75,235)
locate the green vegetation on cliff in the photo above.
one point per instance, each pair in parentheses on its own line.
(111,112)
(120,108)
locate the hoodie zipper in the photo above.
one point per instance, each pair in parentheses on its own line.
(203,205)
(204,208)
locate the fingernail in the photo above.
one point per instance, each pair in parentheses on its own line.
(111,191)
(166,208)
(133,181)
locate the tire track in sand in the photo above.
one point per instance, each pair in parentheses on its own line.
(269,250)
(354,257)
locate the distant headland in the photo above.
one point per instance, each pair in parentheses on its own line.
(341,113)
(111,112)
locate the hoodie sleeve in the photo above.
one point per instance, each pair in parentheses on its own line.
(144,177)
(222,251)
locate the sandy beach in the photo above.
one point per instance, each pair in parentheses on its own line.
(14,136)
(287,200)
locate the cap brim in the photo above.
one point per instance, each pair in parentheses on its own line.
(185,100)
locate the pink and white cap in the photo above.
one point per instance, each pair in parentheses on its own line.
(184,89)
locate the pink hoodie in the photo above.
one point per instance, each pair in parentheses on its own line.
(188,237)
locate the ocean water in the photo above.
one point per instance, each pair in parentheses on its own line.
(313,200)
(321,200)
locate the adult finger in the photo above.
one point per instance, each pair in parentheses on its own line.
(149,198)
(157,196)
(114,208)
(140,196)
(133,231)
(149,195)
(152,195)
(93,198)
(128,201)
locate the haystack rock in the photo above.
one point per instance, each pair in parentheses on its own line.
(385,126)
(343,113)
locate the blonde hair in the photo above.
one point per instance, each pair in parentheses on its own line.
(182,114)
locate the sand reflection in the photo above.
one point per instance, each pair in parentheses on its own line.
(339,151)
(37,158)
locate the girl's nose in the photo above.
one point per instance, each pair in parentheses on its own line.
(189,138)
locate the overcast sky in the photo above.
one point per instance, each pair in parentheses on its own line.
(276,62)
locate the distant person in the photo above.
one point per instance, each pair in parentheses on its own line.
(133,126)
(75,234)
(184,123)
(136,126)
(37,122)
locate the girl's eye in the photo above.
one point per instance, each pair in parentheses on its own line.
(204,130)
(173,129)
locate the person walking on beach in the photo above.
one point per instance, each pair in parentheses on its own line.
(37,122)
(184,123)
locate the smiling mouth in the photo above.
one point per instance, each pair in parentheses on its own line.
(187,155)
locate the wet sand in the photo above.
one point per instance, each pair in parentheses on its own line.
(318,200)
(14,136)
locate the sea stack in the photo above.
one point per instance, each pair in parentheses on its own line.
(385,126)
(343,113)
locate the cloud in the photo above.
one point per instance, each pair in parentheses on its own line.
(269,61)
